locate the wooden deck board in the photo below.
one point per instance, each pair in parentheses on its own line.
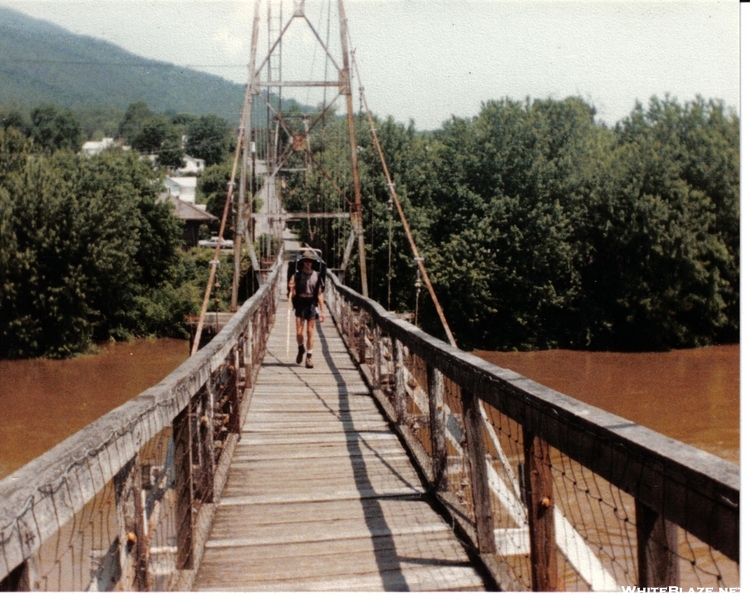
(321,496)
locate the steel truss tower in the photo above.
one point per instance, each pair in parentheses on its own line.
(266,78)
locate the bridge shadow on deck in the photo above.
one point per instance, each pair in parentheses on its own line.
(386,554)
(384,544)
(357,517)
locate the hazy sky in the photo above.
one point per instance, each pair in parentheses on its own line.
(430,59)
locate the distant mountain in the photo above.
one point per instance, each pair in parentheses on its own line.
(41,63)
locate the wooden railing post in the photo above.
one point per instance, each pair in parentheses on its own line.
(480,487)
(362,338)
(183,472)
(249,354)
(132,529)
(399,380)
(206,440)
(437,428)
(235,396)
(376,358)
(350,327)
(657,549)
(540,505)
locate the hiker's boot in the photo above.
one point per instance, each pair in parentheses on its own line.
(300,354)
(308,362)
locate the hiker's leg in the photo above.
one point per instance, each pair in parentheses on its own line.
(300,339)
(310,332)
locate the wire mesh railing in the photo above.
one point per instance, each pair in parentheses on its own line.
(552,493)
(126,503)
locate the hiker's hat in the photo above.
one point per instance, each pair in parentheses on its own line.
(307,255)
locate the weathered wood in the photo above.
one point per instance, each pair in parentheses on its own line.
(321,490)
(61,482)
(183,467)
(235,393)
(480,488)
(206,439)
(435,391)
(132,532)
(350,327)
(376,358)
(657,549)
(695,490)
(540,508)
(362,338)
(399,389)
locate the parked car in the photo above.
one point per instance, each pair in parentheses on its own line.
(213,241)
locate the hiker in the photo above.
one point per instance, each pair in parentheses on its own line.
(306,294)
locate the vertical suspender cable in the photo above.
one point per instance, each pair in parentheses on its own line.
(390,245)
(215,262)
(356,213)
(230,193)
(392,190)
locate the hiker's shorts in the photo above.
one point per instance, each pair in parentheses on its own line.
(304,308)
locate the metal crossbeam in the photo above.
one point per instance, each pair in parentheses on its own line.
(283,84)
(303,215)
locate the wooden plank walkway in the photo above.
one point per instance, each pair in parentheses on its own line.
(321,496)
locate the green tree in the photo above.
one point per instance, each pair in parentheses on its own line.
(135,115)
(171,152)
(151,135)
(13,118)
(43,302)
(87,252)
(53,129)
(159,137)
(664,270)
(212,188)
(208,138)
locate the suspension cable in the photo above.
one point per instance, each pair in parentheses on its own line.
(390,245)
(392,190)
(230,193)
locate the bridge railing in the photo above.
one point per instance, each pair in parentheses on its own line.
(552,493)
(126,503)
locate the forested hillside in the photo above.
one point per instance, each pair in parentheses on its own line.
(45,64)
(542,228)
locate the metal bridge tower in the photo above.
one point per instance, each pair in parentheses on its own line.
(267,147)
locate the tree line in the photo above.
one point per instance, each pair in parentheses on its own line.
(540,227)
(168,137)
(87,252)
(543,228)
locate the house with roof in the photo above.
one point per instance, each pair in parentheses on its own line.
(191,165)
(192,216)
(182,188)
(92,148)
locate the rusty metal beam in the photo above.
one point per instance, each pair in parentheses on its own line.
(305,215)
(356,214)
(298,84)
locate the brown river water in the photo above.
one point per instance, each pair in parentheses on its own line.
(690,395)
(42,402)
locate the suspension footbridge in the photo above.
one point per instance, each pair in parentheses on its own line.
(399,462)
